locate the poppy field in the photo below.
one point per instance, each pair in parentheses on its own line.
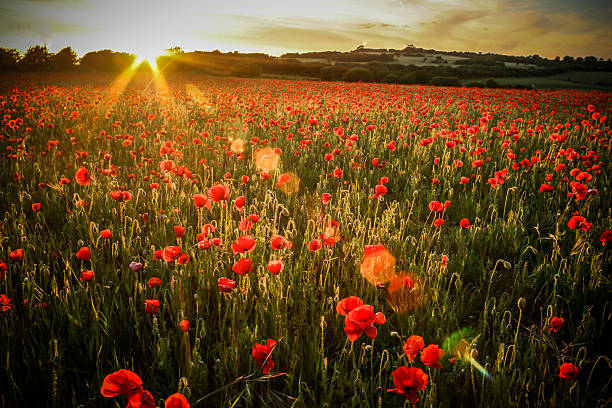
(263,243)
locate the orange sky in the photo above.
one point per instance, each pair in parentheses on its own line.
(517,27)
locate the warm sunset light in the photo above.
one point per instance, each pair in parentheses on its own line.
(305,203)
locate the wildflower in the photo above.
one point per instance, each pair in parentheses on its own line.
(243,244)
(431,355)
(243,266)
(184,325)
(360,320)
(176,400)
(122,382)
(408,382)
(152,306)
(226,285)
(568,372)
(275,267)
(413,345)
(82,176)
(84,254)
(86,276)
(556,323)
(262,354)
(347,304)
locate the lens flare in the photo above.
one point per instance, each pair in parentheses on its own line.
(405,292)
(457,344)
(288,183)
(266,159)
(237,146)
(377,265)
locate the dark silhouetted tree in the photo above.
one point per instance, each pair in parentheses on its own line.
(9,57)
(64,60)
(107,61)
(35,59)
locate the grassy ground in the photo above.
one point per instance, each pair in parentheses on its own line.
(601,81)
(484,293)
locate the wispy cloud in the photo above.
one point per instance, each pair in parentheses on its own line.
(522,27)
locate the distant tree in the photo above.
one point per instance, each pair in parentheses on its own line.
(423,77)
(107,61)
(175,50)
(491,83)
(357,75)
(35,59)
(64,60)
(568,58)
(9,57)
(332,73)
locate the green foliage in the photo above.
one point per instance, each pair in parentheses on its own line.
(36,58)
(491,83)
(357,75)
(9,57)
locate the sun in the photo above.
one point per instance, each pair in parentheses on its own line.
(148,55)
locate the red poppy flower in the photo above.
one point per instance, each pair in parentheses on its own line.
(275,267)
(243,266)
(106,234)
(184,325)
(314,245)
(176,401)
(84,254)
(379,191)
(556,323)
(245,243)
(226,285)
(578,222)
(280,242)
(16,254)
(141,399)
(182,259)
(546,188)
(606,237)
(218,193)
(362,319)
(239,202)
(413,345)
(171,253)
(568,372)
(154,282)
(86,276)
(438,222)
(431,356)
(408,381)
(179,231)
(122,382)
(152,306)
(262,354)
(346,305)
(5,303)
(325,197)
(82,176)
(36,207)
(201,200)
(465,223)
(3,269)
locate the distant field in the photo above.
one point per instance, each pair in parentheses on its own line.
(567,80)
